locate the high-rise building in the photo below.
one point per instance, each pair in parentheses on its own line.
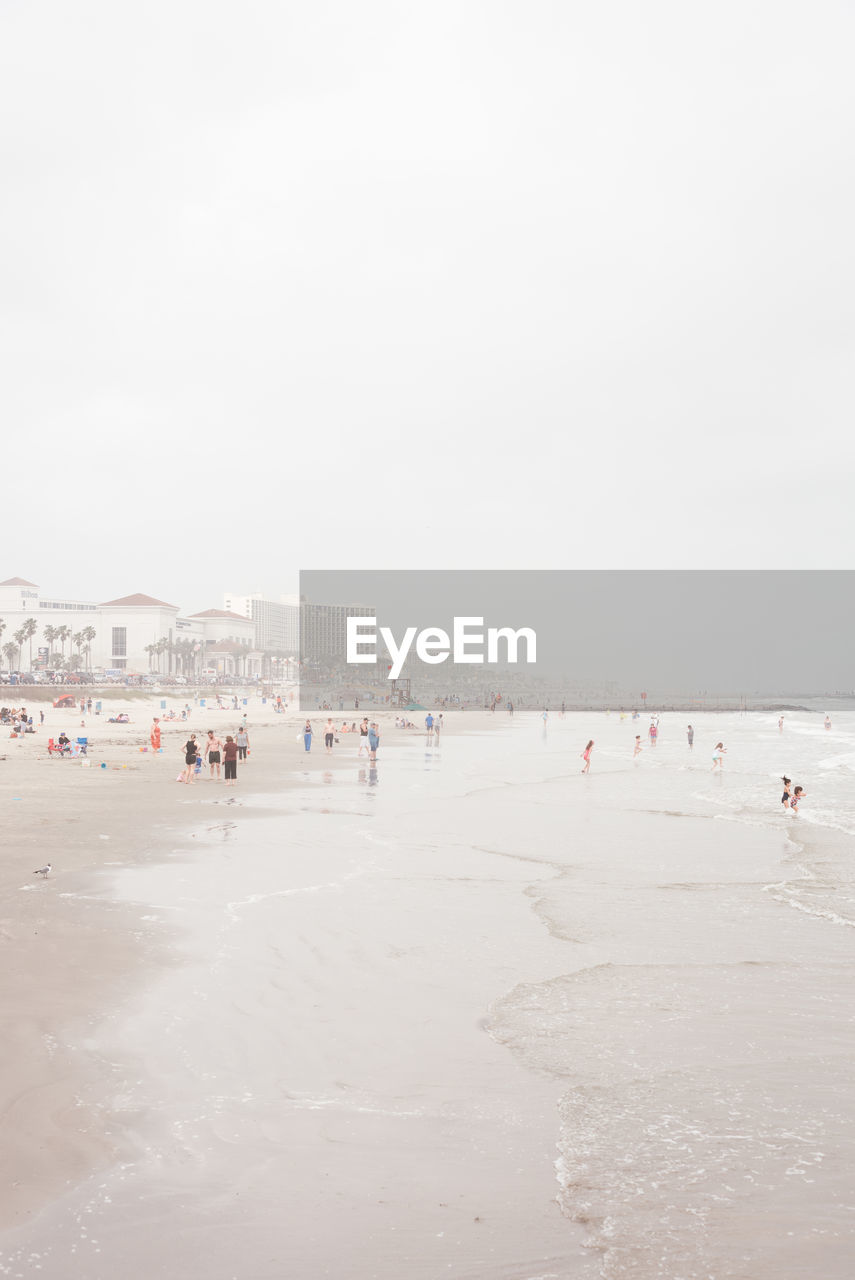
(277,622)
(323,629)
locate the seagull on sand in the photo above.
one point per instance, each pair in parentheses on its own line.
(43,871)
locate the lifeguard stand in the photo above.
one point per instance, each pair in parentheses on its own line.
(399,694)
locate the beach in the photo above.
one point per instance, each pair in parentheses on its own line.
(465,1012)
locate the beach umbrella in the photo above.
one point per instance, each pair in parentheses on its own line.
(67,700)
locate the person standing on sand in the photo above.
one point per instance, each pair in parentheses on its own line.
(690,735)
(329,735)
(373,740)
(308,734)
(363,738)
(242,740)
(230,753)
(155,735)
(637,751)
(213,748)
(781,724)
(190,754)
(828,722)
(586,756)
(718,755)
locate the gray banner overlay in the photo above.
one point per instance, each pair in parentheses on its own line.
(614,634)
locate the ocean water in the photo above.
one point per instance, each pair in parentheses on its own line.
(707,1130)
(470,1013)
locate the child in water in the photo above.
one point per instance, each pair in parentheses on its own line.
(798,794)
(788,793)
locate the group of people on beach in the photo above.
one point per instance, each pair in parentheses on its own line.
(368,733)
(214,752)
(369,736)
(18,720)
(790,799)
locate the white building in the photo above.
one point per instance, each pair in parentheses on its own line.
(135,633)
(230,647)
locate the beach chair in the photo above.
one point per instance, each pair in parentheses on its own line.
(55,750)
(83,745)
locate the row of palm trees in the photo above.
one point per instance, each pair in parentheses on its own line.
(184,655)
(81,641)
(187,657)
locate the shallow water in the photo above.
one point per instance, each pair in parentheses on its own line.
(458,1013)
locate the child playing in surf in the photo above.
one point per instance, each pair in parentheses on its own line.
(798,794)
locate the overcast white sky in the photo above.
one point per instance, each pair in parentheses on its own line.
(445,285)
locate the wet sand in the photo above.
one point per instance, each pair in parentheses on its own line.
(467,1013)
(67,955)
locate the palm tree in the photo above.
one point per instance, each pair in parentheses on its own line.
(167,644)
(20,637)
(77,641)
(62,634)
(50,635)
(151,650)
(186,648)
(9,651)
(89,633)
(30,628)
(2,627)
